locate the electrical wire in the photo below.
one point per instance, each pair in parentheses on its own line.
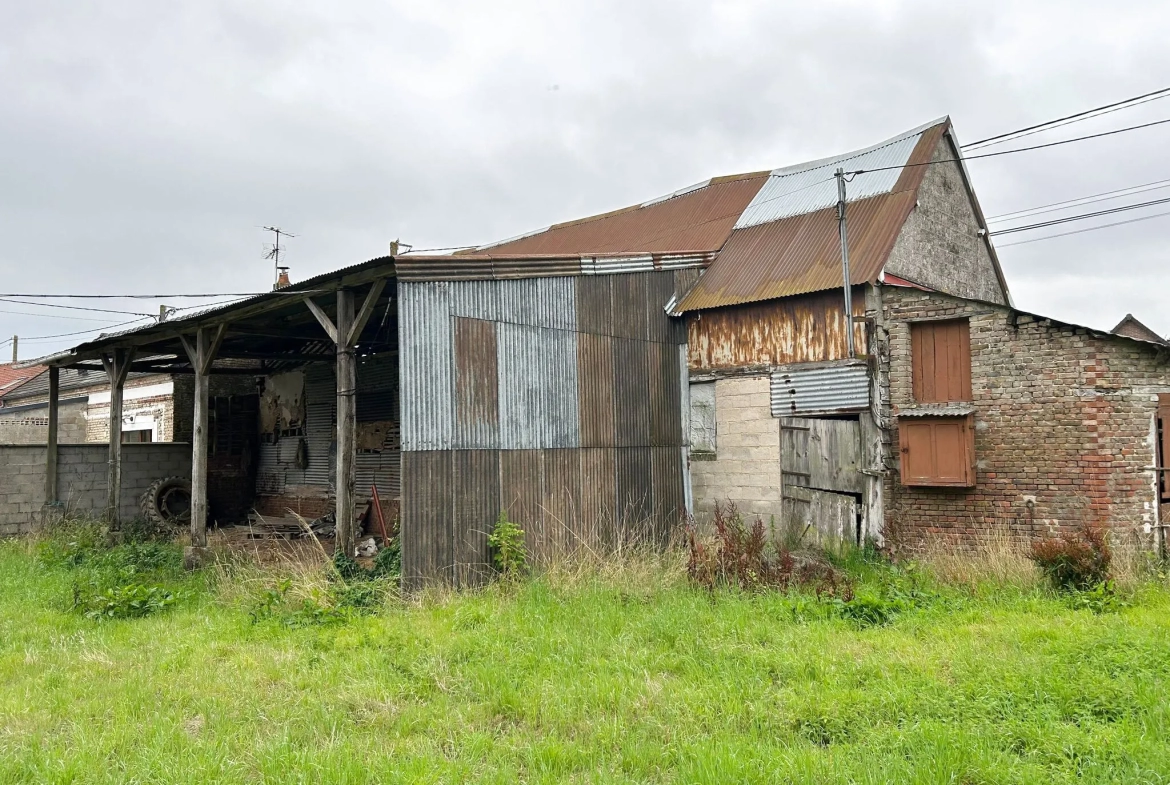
(1090,199)
(1016,150)
(1086,229)
(72,307)
(36,338)
(1081,217)
(1088,114)
(298,293)
(56,316)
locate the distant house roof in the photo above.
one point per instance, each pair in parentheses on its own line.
(12,377)
(69,379)
(1130,327)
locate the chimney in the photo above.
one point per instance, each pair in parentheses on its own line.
(282,281)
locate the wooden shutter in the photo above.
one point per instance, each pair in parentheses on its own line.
(937,451)
(941,361)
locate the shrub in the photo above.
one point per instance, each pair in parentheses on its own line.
(388,561)
(1075,561)
(130,601)
(506,543)
(742,556)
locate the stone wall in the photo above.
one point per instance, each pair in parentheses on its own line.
(1062,415)
(746,465)
(939,245)
(81,478)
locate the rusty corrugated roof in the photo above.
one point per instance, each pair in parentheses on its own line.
(696,219)
(801,253)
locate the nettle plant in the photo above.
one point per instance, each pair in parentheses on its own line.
(506,542)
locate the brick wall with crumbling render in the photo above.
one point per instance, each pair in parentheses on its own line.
(1061,415)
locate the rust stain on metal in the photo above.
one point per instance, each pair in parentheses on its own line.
(810,328)
(802,254)
(476,404)
(595,374)
(696,221)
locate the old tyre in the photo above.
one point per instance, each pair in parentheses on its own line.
(167,501)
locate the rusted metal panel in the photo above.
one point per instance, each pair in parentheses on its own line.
(661,326)
(635,490)
(476,405)
(521,491)
(820,389)
(807,187)
(425,349)
(630,298)
(696,221)
(669,500)
(595,304)
(475,505)
(599,496)
(810,328)
(426,533)
(802,254)
(561,502)
(631,392)
(665,396)
(595,380)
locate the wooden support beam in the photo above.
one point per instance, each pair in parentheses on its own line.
(323,318)
(346,425)
(117,364)
(201,350)
(51,443)
(363,315)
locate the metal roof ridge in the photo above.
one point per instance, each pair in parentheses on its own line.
(822,162)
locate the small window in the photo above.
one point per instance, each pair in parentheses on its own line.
(702,420)
(941,358)
(937,451)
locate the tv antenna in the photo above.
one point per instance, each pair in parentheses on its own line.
(273,252)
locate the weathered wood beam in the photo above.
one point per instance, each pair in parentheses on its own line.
(323,318)
(116,364)
(363,315)
(200,349)
(346,425)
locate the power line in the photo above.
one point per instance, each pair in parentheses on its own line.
(79,332)
(56,316)
(72,307)
(1090,199)
(1088,114)
(1016,150)
(1081,217)
(1086,229)
(298,293)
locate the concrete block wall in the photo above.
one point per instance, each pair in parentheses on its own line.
(746,469)
(31,426)
(81,478)
(1061,415)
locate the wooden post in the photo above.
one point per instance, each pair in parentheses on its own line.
(51,442)
(346,425)
(345,334)
(201,354)
(116,365)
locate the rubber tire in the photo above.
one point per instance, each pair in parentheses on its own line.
(153,498)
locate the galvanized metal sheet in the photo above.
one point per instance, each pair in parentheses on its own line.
(538,387)
(595,378)
(631,392)
(425,348)
(594,299)
(805,188)
(821,389)
(630,298)
(475,505)
(426,534)
(476,384)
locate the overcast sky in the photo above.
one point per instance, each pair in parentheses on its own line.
(143,144)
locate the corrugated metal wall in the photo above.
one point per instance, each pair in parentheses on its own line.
(557,400)
(820,389)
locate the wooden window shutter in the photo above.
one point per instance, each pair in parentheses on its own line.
(937,451)
(941,361)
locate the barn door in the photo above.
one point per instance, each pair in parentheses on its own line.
(820,466)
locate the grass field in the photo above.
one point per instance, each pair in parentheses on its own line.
(620,675)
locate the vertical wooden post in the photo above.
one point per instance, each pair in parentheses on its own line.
(116,365)
(51,442)
(346,424)
(345,334)
(201,354)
